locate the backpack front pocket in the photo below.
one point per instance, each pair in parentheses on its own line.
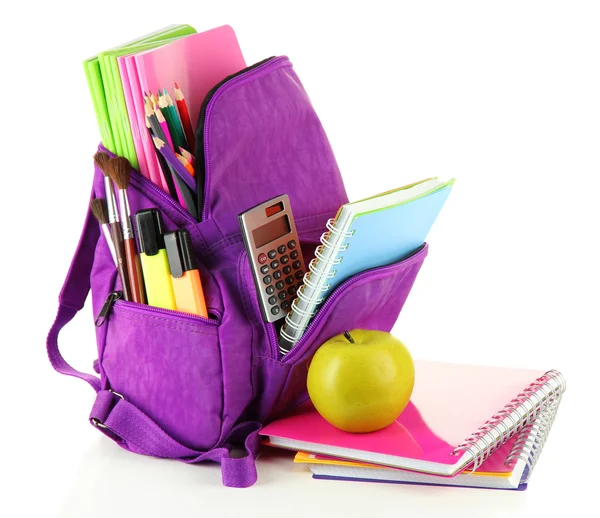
(371,299)
(168,364)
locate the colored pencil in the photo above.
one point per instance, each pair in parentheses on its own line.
(154,128)
(184,115)
(165,103)
(169,155)
(188,156)
(169,174)
(184,161)
(165,127)
(184,181)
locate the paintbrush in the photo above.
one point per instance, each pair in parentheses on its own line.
(100,210)
(102,161)
(119,170)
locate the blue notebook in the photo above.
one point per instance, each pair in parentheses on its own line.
(365,234)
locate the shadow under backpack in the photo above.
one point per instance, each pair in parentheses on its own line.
(180,386)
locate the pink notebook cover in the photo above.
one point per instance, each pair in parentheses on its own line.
(133,118)
(196,62)
(449,403)
(137,117)
(494,464)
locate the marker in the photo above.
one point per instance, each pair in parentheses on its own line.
(187,286)
(155,264)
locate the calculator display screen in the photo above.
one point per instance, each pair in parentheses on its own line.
(271,231)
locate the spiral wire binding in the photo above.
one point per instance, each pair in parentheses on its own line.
(531,440)
(318,273)
(532,424)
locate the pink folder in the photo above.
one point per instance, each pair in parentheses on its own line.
(196,62)
(128,87)
(137,119)
(449,403)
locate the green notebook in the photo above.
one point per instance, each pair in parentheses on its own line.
(105,85)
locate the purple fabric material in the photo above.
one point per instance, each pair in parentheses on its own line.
(136,432)
(193,388)
(262,137)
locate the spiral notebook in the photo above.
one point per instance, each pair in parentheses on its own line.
(365,234)
(324,467)
(458,416)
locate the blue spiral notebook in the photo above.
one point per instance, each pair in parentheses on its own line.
(365,234)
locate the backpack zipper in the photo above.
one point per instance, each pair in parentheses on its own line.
(115,296)
(203,127)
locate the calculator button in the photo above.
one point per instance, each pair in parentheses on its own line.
(262,258)
(274,264)
(272,254)
(279,285)
(281,249)
(272,300)
(282,295)
(299,275)
(285,259)
(287,269)
(290,280)
(295,265)
(270,290)
(267,279)
(292,244)
(294,254)
(275,310)
(265,269)
(292,290)
(277,275)
(285,305)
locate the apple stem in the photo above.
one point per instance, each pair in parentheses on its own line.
(349,337)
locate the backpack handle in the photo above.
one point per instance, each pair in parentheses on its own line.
(133,430)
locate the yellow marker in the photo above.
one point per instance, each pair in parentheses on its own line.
(155,264)
(187,286)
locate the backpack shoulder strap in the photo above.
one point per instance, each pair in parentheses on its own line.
(72,298)
(121,420)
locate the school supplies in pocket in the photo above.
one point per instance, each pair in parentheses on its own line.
(365,234)
(273,249)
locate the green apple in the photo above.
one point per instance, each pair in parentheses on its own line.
(361,381)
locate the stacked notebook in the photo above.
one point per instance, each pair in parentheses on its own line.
(465,425)
(120,78)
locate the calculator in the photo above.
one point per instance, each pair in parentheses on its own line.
(275,256)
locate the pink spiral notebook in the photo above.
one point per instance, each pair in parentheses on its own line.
(457,417)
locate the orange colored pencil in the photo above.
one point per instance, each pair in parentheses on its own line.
(186,163)
(184,115)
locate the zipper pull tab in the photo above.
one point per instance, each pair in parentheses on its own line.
(111,299)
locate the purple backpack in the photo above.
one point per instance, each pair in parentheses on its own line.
(184,387)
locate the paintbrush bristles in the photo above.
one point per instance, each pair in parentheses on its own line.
(119,170)
(98,206)
(101,160)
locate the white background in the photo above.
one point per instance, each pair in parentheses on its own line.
(504,96)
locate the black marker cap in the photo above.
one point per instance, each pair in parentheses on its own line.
(180,252)
(149,231)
